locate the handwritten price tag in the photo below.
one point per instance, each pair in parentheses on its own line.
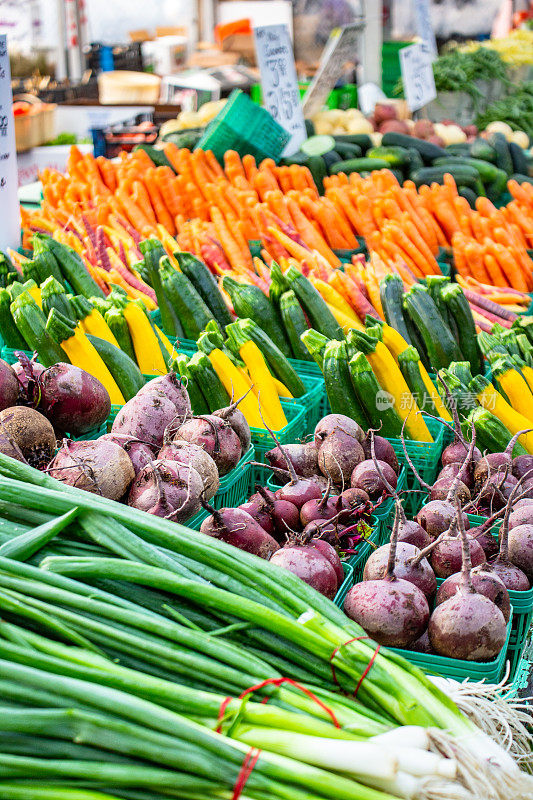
(341,48)
(417,75)
(10,216)
(424,26)
(281,96)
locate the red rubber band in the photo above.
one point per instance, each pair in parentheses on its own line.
(367,668)
(276,682)
(250,760)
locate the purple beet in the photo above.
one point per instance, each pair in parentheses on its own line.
(332,423)
(383,451)
(234,526)
(488,542)
(365,476)
(456,451)
(446,556)
(441,489)
(338,456)
(468,625)
(413,533)
(188,453)
(406,567)
(72,399)
(437,516)
(257,508)
(167,489)
(171,387)
(139,452)
(9,386)
(521,515)
(315,509)
(393,611)
(216,437)
(422,645)
(284,516)
(303,458)
(521,549)
(309,564)
(523,465)
(485,583)
(332,556)
(451,471)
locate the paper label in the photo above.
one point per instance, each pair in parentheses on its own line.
(417,75)
(10,216)
(281,95)
(424,26)
(340,49)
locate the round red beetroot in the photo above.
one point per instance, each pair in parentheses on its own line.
(446,557)
(216,437)
(167,489)
(171,387)
(9,386)
(98,466)
(139,452)
(411,532)
(394,612)
(419,573)
(521,549)
(338,456)
(72,399)
(329,552)
(234,526)
(365,476)
(485,583)
(189,453)
(310,565)
(145,417)
(467,626)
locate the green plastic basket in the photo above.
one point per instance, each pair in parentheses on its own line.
(94,433)
(345,586)
(113,413)
(245,127)
(181,344)
(346,255)
(375,540)
(385,511)
(522,605)
(312,400)
(195,521)
(293,431)
(490,671)
(424,455)
(236,486)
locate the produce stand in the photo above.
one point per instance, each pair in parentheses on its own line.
(266,457)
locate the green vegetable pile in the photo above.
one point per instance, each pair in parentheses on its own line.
(516,109)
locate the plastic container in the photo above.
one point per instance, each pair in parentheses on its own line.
(236,486)
(345,586)
(293,431)
(245,127)
(490,671)
(385,511)
(8,354)
(312,400)
(374,540)
(94,433)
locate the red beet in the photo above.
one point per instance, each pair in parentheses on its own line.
(284,516)
(216,437)
(488,542)
(406,567)
(26,435)
(97,466)
(446,556)
(315,509)
(257,508)
(9,385)
(167,489)
(485,583)
(145,417)
(308,563)
(391,610)
(422,645)
(450,471)
(337,422)
(303,457)
(383,451)
(236,527)
(338,456)
(437,516)
(521,549)
(139,452)
(72,399)
(332,556)
(171,387)
(365,476)
(523,465)
(521,515)
(412,533)
(188,453)
(441,489)
(455,453)
(238,422)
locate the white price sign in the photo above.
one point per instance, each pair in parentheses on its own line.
(417,75)
(424,26)
(281,95)
(10,216)
(340,49)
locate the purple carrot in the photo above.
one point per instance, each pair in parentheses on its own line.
(101,252)
(488,305)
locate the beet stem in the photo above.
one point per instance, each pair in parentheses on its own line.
(512,442)
(391,563)
(392,491)
(456,481)
(290,465)
(411,465)
(458,436)
(226,412)
(466,569)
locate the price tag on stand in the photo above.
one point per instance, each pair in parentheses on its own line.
(424,26)
(281,95)
(340,49)
(10,216)
(417,75)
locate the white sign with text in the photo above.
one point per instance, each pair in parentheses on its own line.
(340,49)
(417,75)
(424,26)
(281,95)
(10,216)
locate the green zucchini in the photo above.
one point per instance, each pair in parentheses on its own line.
(31,324)
(314,305)
(491,434)
(184,139)
(459,149)
(487,172)
(180,365)
(72,267)
(359,165)
(440,345)
(9,332)
(120,330)
(191,310)
(205,376)
(468,194)
(295,324)
(249,302)
(391,296)
(53,296)
(459,309)
(368,390)
(522,178)
(316,344)
(408,361)
(276,360)
(124,370)
(463,175)
(278,285)
(317,167)
(339,388)
(48,263)
(205,284)
(153,251)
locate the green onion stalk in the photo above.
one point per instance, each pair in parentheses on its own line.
(162,555)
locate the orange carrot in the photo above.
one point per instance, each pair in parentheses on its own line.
(250,168)
(163,216)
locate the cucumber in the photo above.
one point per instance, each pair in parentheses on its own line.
(347,151)
(318,145)
(185,139)
(518,158)
(359,165)
(468,194)
(124,370)
(317,167)
(362,140)
(427,150)
(487,172)
(330,159)
(414,160)
(522,178)
(395,156)
(496,188)
(464,176)
(480,148)
(310,127)
(459,149)
(503,155)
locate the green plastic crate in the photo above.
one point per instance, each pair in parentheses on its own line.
(312,400)
(424,455)
(235,487)
(245,127)
(293,431)
(490,671)
(195,521)
(345,586)
(94,433)
(113,413)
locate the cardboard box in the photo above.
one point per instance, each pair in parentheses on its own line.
(242,44)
